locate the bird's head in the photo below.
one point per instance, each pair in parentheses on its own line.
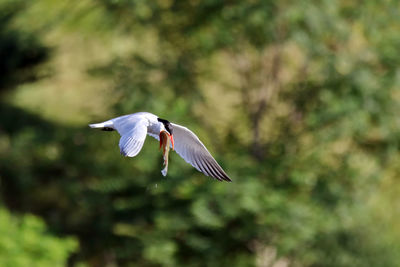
(168,131)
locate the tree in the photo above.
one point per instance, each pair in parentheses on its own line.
(296,99)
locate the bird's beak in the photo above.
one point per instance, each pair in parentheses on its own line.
(172,141)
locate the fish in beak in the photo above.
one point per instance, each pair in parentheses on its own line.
(166,140)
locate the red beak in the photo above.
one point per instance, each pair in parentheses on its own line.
(172,141)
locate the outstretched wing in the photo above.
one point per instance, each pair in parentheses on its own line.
(133,130)
(192,150)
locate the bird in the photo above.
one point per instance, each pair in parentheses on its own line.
(134,128)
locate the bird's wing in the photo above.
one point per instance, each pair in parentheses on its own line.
(192,150)
(133,130)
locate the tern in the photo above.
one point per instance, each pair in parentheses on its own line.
(133,129)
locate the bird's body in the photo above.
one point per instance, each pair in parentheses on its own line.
(133,129)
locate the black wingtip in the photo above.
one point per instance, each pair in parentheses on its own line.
(211,168)
(225,177)
(217,172)
(107,129)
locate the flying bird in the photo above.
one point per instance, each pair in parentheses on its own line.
(133,129)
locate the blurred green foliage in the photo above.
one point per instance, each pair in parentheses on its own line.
(20,50)
(298,101)
(25,242)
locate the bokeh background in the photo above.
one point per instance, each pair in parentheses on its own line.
(298,101)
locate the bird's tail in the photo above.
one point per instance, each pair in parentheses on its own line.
(106,126)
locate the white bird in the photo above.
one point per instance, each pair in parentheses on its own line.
(134,127)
